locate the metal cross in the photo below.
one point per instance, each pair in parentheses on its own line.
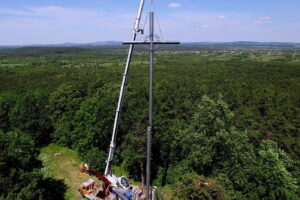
(151,44)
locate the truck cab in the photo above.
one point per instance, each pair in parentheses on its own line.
(120,182)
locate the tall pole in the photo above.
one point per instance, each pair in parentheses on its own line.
(112,145)
(149,129)
(151,44)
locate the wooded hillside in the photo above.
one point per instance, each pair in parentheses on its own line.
(226,117)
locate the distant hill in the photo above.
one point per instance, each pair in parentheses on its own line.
(117,43)
(67,44)
(242,43)
(103,43)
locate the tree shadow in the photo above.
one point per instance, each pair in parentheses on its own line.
(53,189)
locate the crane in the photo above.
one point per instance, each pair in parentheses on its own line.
(112,146)
(121,181)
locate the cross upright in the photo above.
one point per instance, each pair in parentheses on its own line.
(151,44)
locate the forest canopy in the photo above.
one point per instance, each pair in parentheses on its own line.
(226,122)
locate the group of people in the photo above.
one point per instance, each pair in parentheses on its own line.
(85,167)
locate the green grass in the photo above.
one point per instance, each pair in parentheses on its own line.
(63,163)
(165,193)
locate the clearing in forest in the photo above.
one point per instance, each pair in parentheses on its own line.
(62,163)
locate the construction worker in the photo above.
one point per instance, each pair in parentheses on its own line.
(82,166)
(85,167)
(88,168)
(129,194)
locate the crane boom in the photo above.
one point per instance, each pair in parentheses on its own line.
(112,145)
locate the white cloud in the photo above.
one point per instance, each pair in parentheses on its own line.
(266,18)
(22,23)
(174,5)
(15,12)
(259,22)
(221,17)
(54,13)
(263,20)
(53,24)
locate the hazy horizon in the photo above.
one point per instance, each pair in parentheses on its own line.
(92,43)
(28,22)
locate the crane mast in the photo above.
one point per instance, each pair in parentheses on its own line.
(151,42)
(108,170)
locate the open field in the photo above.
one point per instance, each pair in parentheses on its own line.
(63,164)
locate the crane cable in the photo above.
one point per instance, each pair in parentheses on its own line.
(153,9)
(144,24)
(160,30)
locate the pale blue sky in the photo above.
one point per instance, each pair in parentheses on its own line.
(81,21)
